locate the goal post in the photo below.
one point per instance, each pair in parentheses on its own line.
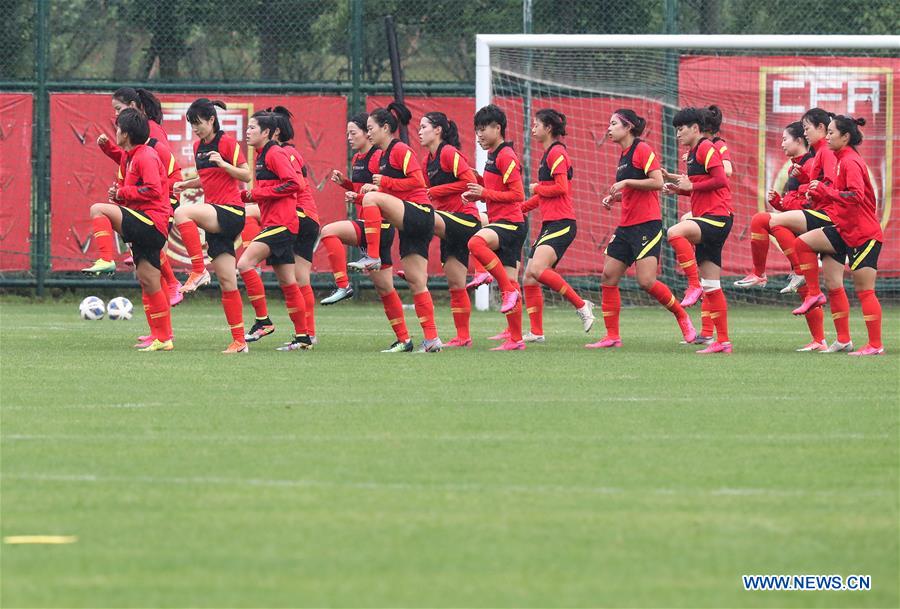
(761,83)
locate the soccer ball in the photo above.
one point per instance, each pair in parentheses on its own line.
(119,308)
(91,308)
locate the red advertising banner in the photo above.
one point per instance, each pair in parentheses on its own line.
(775,91)
(81,173)
(15,181)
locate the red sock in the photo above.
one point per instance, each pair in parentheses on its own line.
(611,304)
(145,300)
(840,313)
(256,293)
(534,306)
(718,309)
(555,282)
(684,252)
(787,242)
(461,308)
(160,321)
(234,314)
(871,309)
(337,256)
(814,318)
(759,241)
(103,237)
(165,268)
(393,309)
(309,300)
(486,256)
(296,308)
(707,327)
(809,267)
(479,268)
(514,317)
(371,217)
(251,229)
(663,296)
(425,312)
(190,237)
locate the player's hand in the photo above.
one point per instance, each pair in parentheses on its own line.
(475,190)
(683,183)
(178,187)
(607,201)
(534,185)
(616,188)
(336,176)
(684,157)
(349,197)
(772,196)
(376,179)
(669,188)
(102,139)
(667,176)
(812,186)
(796,170)
(112,193)
(368,188)
(216,158)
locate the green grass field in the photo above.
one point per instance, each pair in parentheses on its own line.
(647,476)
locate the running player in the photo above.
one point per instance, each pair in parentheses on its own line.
(397,195)
(638,238)
(220,167)
(498,245)
(447,174)
(709,226)
(855,237)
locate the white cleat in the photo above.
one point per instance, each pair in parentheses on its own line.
(586,314)
(794,283)
(531,337)
(837,347)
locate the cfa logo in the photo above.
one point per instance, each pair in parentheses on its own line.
(791,96)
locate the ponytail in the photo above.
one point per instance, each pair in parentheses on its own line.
(393,116)
(817,116)
(285,128)
(449,130)
(553,120)
(205,109)
(145,101)
(849,125)
(630,118)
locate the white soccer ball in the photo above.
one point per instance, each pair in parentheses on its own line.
(91,308)
(119,308)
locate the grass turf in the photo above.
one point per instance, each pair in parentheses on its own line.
(643,476)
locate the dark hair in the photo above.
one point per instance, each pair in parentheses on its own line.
(795,130)
(638,123)
(133,123)
(449,130)
(143,99)
(285,128)
(847,124)
(817,116)
(687,117)
(359,120)
(204,109)
(553,120)
(393,116)
(491,114)
(712,120)
(267,121)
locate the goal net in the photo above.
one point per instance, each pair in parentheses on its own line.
(761,84)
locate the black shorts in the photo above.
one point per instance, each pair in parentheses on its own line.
(512,237)
(145,239)
(714,230)
(280,241)
(860,257)
(636,242)
(458,229)
(558,234)
(816,219)
(307,235)
(231,222)
(387,240)
(418,229)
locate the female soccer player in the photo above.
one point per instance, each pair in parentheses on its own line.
(553,196)
(139,210)
(220,167)
(795,147)
(447,174)
(364,165)
(498,245)
(855,237)
(709,226)
(712,125)
(275,193)
(638,238)
(397,195)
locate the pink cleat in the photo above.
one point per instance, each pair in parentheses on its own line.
(145,338)
(459,342)
(752,280)
(687,329)
(810,302)
(508,301)
(502,336)
(605,343)
(128,260)
(175,295)
(868,350)
(143,342)
(691,296)
(716,347)
(813,346)
(511,345)
(480,279)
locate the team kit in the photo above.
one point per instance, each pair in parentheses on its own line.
(824,220)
